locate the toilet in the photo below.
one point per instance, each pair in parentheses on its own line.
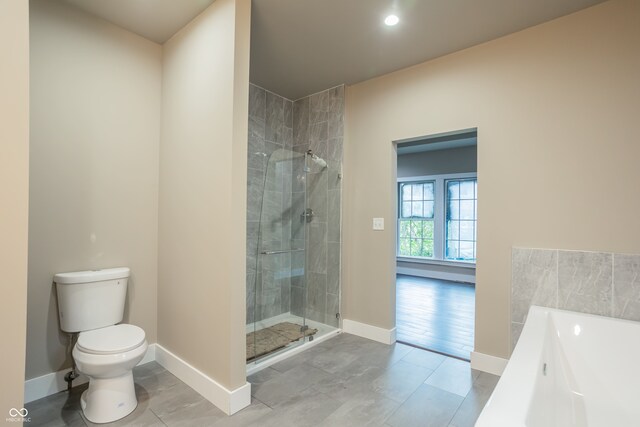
(92,303)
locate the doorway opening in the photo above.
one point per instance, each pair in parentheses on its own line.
(437,197)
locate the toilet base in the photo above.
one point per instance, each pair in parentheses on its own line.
(109,399)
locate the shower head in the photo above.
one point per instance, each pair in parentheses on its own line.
(317,160)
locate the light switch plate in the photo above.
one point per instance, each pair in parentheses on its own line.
(378,223)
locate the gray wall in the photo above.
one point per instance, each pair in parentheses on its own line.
(270,129)
(318,125)
(600,283)
(275,283)
(454,160)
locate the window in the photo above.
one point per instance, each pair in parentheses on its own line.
(437,217)
(417,202)
(461,219)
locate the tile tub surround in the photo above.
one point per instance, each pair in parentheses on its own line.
(601,283)
(314,122)
(344,381)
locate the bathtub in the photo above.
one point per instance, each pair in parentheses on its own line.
(569,369)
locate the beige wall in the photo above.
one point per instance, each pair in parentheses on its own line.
(14,193)
(202,192)
(556,107)
(95,134)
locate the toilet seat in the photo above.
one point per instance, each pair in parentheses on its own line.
(111,340)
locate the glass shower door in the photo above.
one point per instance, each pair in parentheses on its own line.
(279,293)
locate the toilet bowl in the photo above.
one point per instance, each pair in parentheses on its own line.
(107,356)
(91,303)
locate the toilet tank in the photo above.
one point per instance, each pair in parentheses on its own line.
(91,299)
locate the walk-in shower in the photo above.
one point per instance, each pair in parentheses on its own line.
(293,220)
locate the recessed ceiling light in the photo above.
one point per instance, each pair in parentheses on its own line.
(391,20)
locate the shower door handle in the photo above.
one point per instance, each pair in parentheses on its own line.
(280,252)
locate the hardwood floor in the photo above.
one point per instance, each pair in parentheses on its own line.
(435,314)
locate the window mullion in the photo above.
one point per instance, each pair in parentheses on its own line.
(439,220)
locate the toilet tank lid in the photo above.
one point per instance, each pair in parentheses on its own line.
(91,276)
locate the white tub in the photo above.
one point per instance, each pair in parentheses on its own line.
(569,369)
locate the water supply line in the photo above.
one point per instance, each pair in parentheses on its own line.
(72,374)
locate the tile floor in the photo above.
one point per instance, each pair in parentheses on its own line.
(344,381)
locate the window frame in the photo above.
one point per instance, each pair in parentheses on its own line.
(400,218)
(439,218)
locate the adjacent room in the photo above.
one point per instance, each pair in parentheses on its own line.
(320,213)
(437,242)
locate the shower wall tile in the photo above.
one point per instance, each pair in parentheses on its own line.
(285,296)
(333,173)
(334,149)
(317,247)
(319,107)
(257,102)
(626,286)
(534,280)
(516,330)
(335,126)
(585,282)
(255,182)
(317,196)
(333,224)
(333,307)
(333,268)
(315,122)
(316,291)
(256,156)
(287,137)
(301,122)
(274,118)
(250,295)
(271,303)
(336,100)
(318,140)
(288,114)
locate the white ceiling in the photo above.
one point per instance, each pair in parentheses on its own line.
(156,20)
(299,47)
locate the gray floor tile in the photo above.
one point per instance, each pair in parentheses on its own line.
(263,376)
(178,399)
(426,359)
(60,409)
(471,407)
(399,381)
(427,407)
(345,381)
(277,390)
(454,376)
(361,412)
(297,360)
(249,416)
(198,413)
(306,408)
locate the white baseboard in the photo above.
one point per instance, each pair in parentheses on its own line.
(486,363)
(456,277)
(229,401)
(385,336)
(46,385)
